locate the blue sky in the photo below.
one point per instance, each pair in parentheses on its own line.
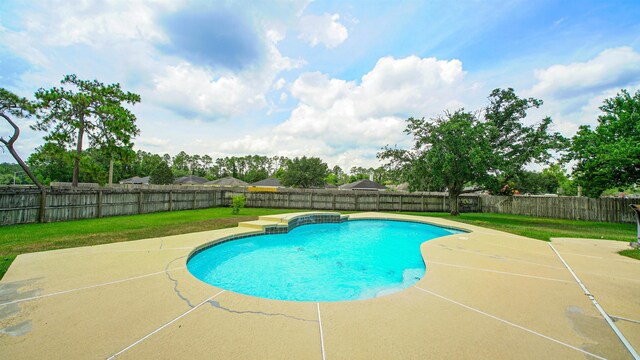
(334,79)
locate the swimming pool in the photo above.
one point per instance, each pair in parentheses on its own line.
(320,262)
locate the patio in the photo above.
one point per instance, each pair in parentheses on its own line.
(485,294)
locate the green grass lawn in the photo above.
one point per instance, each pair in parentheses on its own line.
(632,253)
(20,239)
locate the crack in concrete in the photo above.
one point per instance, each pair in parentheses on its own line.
(175,282)
(217,305)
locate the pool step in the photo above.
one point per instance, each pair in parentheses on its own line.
(258,224)
(283,220)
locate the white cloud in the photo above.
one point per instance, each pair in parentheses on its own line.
(346,122)
(573,93)
(612,67)
(279,84)
(152,142)
(212,94)
(54,24)
(322,29)
(200,91)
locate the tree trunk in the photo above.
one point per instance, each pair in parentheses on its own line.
(9,144)
(111,171)
(25,168)
(453,203)
(76,161)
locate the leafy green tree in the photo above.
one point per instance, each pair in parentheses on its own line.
(609,156)
(567,186)
(161,175)
(144,163)
(12,105)
(461,149)
(13,174)
(515,144)
(449,151)
(304,172)
(533,182)
(254,175)
(51,162)
(93,110)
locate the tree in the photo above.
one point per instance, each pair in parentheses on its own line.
(609,156)
(513,144)
(567,186)
(461,148)
(449,151)
(93,110)
(161,175)
(304,172)
(51,162)
(12,174)
(12,105)
(532,182)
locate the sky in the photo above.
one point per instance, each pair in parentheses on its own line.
(332,79)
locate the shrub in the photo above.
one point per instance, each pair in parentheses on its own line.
(237,203)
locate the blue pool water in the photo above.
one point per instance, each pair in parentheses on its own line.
(321,262)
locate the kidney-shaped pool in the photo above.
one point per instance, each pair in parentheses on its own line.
(351,260)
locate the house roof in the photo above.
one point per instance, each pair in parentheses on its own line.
(135,180)
(268,182)
(227,181)
(364,184)
(190,180)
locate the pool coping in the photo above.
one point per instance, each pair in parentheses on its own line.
(486,294)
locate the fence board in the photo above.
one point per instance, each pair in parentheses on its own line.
(22,204)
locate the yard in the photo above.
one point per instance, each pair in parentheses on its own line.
(19,239)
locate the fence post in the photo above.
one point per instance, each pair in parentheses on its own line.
(400,202)
(355,202)
(333,201)
(140,202)
(170,200)
(193,202)
(378,202)
(422,203)
(310,201)
(99,200)
(43,206)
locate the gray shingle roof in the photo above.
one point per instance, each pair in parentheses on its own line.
(135,180)
(227,181)
(267,182)
(364,184)
(190,180)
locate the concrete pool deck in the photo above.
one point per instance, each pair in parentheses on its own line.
(485,294)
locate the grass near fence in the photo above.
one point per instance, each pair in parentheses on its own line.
(19,239)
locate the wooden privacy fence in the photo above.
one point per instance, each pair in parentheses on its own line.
(28,205)
(563,207)
(320,199)
(20,206)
